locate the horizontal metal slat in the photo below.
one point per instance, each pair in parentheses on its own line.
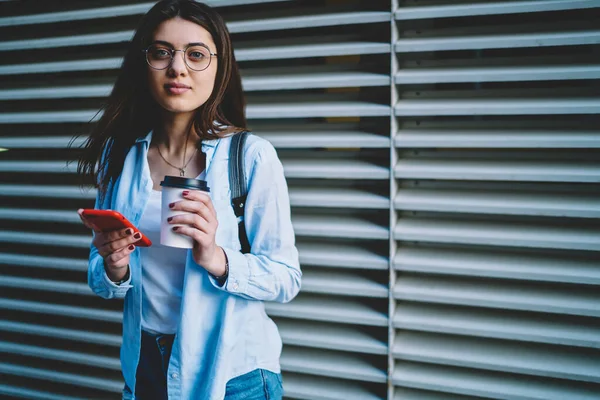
(63,333)
(294,168)
(488,354)
(45,284)
(58,92)
(497,234)
(337,198)
(298,51)
(309,21)
(47,191)
(416,394)
(490,202)
(342,256)
(45,239)
(497,74)
(494,264)
(342,283)
(303,226)
(62,66)
(498,294)
(241,53)
(315,138)
(49,117)
(107,12)
(517,40)
(62,377)
(332,309)
(294,333)
(552,329)
(60,263)
(57,309)
(320,254)
(497,139)
(489,384)
(317,109)
(250,84)
(253,111)
(332,169)
(39,215)
(20,392)
(338,227)
(328,363)
(491,8)
(69,356)
(515,106)
(509,170)
(328,336)
(315,80)
(257,25)
(310,387)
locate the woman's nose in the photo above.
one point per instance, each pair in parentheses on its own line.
(178,64)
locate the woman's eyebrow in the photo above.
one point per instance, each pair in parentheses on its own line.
(171,45)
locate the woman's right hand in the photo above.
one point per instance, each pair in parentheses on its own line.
(114,247)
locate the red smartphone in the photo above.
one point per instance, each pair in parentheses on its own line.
(109,220)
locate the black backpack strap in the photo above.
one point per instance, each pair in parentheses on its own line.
(237,184)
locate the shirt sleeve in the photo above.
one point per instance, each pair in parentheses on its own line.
(98,280)
(271,272)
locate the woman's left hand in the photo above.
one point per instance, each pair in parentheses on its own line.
(201,225)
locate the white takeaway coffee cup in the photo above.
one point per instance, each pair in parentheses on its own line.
(172,191)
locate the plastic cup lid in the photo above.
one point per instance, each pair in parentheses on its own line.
(185,183)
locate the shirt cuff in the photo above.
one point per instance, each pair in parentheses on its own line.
(117,289)
(239,272)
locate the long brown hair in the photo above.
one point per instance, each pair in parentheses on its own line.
(130,111)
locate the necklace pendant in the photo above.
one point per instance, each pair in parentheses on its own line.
(181,172)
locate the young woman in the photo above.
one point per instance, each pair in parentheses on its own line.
(194,322)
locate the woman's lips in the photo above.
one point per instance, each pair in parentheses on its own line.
(177,88)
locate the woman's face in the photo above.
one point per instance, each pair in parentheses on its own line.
(178,88)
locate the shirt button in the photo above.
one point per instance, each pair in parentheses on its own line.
(235,286)
(174,375)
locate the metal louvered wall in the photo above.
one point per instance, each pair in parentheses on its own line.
(445,208)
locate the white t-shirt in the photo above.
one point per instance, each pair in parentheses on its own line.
(163,270)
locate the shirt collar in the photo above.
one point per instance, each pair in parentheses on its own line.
(206,143)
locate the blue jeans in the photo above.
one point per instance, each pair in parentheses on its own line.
(151,375)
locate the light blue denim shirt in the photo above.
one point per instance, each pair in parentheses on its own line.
(223,331)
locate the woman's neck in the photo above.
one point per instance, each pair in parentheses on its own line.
(175,133)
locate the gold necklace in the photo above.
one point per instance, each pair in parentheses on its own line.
(184,166)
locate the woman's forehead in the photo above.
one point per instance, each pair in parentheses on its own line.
(180,32)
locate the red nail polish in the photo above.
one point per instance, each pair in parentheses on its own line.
(170,219)
(137,236)
(185,192)
(129,231)
(171,205)
(175,228)
(131,247)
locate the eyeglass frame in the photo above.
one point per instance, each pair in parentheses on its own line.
(172,51)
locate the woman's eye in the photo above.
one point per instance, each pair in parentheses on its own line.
(161,53)
(195,54)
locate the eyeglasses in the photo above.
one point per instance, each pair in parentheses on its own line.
(197,57)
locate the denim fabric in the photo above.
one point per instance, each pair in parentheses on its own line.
(151,375)
(259,384)
(223,331)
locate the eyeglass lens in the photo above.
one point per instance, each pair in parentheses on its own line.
(196,57)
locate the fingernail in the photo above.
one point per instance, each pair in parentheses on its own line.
(129,232)
(131,247)
(137,236)
(170,219)
(171,205)
(175,228)
(185,192)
